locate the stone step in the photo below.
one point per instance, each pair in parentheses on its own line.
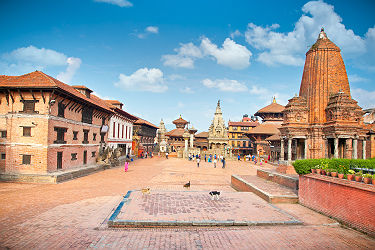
(267,190)
(288,180)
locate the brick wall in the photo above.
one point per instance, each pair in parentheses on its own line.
(350,202)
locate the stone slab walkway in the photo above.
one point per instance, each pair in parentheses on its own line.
(196,208)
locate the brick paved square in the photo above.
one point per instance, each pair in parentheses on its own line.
(171,208)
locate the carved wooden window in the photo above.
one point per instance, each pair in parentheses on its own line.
(61,110)
(26,159)
(26,131)
(29,106)
(3,156)
(75,134)
(87,114)
(4,134)
(85,136)
(60,136)
(74,156)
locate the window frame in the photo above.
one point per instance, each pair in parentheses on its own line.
(23,131)
(26,159)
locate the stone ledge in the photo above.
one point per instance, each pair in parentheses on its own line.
(53,178)
(344,182)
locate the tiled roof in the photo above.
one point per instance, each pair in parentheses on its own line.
(38,79)
(81,87)
(113,102)
(115,109)
(272,108)
(180,121)
(243,124)
(275,137)
(177,132)
(266,128)
(141,121)
(202,134)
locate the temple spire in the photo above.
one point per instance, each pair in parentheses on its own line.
(274,99)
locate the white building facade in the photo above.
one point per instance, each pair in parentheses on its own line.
(120,134)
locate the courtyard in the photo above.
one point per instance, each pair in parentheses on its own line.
(75,214)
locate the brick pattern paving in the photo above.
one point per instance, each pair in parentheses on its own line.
(199,207)
(73,214)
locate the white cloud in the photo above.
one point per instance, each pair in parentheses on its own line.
(152,29)
(356,78)
(41,57)
(187,90)
(26,59)
(144,79)
(364,97)
(225,85)
(231,54)
(185,57)
(121,3)
(235,34)
(289,48)
(148,30)
(180,105)
(73,66)
(174,77)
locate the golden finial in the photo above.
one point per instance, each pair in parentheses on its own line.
(274,100)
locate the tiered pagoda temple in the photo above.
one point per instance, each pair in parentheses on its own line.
(323,121)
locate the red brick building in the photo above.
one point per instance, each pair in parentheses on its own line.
(47,125)
(323,121)
(144,135)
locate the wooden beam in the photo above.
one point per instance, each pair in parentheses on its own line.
(66,105)
(78,107)
(7,97)
(44,98)
(19,92)
(32,94)
(72,106)
(10,93)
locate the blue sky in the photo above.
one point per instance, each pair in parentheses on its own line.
(166,58)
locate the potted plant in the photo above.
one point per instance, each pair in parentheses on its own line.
(358,176)
(350,175)
(318,169)
(313,169)
(367,178)
(373,179)
(334,173)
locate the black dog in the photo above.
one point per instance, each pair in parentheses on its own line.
(214,194)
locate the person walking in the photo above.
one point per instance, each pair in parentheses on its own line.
(238,157)
(166,155)
(215,161)
(223,162)
(205,158)
(198,160)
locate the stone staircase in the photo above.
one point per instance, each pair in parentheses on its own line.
(270,185)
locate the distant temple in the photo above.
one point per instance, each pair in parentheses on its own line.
(323,121)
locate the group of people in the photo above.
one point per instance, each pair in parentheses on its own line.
(146,154)
(252,158)
(211,158)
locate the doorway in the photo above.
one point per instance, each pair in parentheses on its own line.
(85,157)
(59,160)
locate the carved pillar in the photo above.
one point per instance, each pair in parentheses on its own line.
(348,148)
(305,156)
(191,140)
(326,148)
(364,149)
(186,144)
(282,150)
(336,144)
(355,148)
(289,149)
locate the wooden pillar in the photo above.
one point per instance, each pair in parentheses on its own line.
(305,156)
(289,149)
(364,149)
(282,150)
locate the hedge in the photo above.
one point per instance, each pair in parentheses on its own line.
(305,166)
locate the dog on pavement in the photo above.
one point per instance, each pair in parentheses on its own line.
(214,195)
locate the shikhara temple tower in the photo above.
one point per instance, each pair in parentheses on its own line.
(323,121)
(218,133)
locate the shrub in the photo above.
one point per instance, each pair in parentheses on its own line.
(341,165)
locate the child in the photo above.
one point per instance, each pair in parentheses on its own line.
(198,160)
(215,161)
(126,166)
